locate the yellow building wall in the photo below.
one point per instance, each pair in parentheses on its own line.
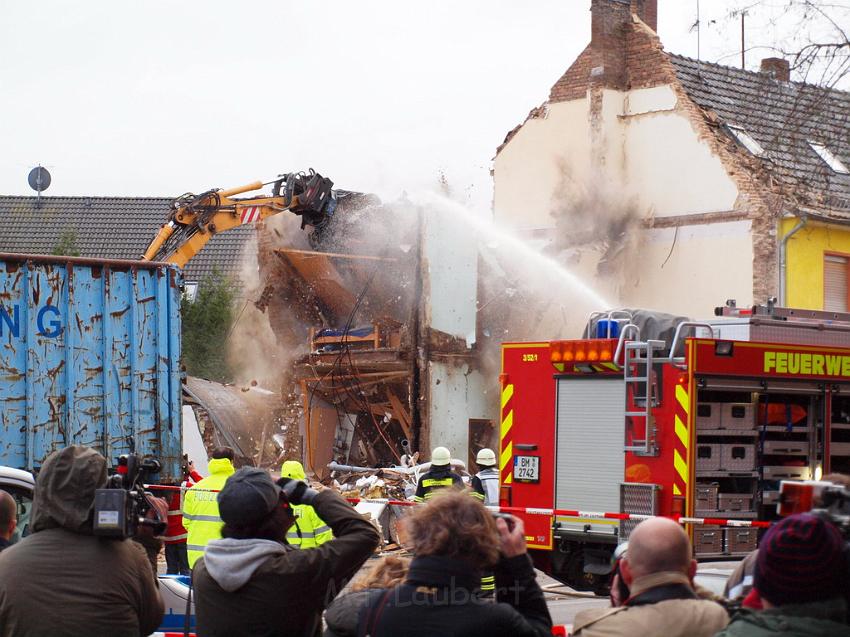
(806,250)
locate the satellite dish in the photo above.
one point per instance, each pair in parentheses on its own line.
(39,179)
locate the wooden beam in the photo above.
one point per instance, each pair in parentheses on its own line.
(401,414)
(334,255)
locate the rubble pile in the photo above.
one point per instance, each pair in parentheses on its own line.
(379,484)
(390,483)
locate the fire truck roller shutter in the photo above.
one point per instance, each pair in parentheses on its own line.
(590,458)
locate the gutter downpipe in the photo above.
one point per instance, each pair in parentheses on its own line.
(783,259)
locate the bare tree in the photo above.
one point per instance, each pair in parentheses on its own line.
(813,35)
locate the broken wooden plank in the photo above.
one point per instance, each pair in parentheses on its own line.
(401,414)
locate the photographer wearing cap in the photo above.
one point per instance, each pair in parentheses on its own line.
(251,582)
(62,579)
(800,576)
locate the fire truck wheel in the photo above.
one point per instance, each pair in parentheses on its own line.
(581,581)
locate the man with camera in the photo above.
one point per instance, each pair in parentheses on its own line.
(251,582)
(64,580)
(658,569)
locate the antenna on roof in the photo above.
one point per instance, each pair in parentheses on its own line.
(39,180)
(698,33)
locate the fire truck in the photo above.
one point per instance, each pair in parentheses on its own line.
(669,417)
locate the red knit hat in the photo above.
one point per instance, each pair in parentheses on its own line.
(801,559)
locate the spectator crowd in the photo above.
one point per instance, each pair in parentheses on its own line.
(275,557)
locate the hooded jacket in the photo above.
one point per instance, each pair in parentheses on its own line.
(263,588)
(816,619)
(63,581)
(309,530)
(200,509)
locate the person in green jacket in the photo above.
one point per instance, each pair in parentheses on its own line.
(801,580)
(309,530)
(200,507)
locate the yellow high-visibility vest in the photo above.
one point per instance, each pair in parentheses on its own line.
(200,509)
(309,530)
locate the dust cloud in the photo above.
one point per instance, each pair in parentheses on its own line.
(593,217)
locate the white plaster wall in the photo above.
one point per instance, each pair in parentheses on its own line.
(650,100)
(670,170)
(708,264)
(458,394)
(542,155)
(643,149)
(451,261)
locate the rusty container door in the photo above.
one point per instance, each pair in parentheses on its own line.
(89,355)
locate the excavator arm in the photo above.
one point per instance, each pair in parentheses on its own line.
(195,219)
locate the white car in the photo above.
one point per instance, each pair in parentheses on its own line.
(21,485)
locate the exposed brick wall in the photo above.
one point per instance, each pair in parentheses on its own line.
(646,63)
(573,84)
(646,10)
(610,22)
(623,49)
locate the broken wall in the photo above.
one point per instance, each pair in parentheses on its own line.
(633,197)
(458,394)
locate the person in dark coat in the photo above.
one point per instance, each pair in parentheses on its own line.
(62,579)
(801,580)
(454,538)
(251,582)
(341,615)
(8,518)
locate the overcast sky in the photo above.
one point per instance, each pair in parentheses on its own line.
(158,98)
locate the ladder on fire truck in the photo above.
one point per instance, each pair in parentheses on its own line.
(639,357)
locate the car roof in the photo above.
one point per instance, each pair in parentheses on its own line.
(16,477)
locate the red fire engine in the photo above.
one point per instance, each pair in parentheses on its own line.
(693,419)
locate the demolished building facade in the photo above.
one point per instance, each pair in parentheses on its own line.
(381,325)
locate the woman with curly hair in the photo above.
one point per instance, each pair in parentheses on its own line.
(341,615)
(454,538)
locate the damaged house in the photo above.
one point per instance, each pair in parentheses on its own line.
(675,184)
(380,322)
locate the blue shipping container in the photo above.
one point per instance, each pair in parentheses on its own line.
(89,355)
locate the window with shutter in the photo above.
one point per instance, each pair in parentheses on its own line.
(834,283)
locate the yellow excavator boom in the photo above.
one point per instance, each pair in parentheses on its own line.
(195,219)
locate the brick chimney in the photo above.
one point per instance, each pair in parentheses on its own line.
(610,23)
(777,68)
(610,16)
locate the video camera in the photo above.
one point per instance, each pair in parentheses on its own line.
(122,507)
(824,498)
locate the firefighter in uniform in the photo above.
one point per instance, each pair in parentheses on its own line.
(485,483)
(439,476)
(309,530)
(200,505)
(485,487)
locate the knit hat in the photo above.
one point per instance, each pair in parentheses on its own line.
(248,496)
(801,559)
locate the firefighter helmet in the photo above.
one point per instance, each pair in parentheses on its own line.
(485,458)
(441,457)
